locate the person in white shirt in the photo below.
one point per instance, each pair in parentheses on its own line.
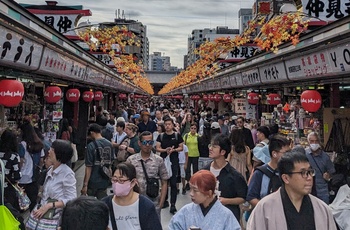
(183,157)
(59,186)
(119,135)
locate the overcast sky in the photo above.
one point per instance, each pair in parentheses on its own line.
(169,22)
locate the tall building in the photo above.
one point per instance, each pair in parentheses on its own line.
(194,41)
(245,15)
(157,62)
(140,53)
(200,36)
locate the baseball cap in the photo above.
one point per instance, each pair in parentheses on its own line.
(221,117)
(215,125)
(136,116)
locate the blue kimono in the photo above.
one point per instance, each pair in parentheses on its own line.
(219,218)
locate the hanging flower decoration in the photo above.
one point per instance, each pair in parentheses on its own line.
(279,29)
(113,40)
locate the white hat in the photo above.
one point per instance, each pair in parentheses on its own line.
(120,119)
(203,114)
(215,125)
(234,117)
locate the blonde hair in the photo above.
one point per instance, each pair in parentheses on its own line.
(132,127)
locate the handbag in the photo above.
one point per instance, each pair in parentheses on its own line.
(7,220)
(167,163)
(105,169)
(50,220)
(152,184)
(23,199)
(122,154)
(75,153)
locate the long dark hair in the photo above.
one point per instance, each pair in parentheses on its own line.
(237,139)
(64,127)
(8,142)
(34,144)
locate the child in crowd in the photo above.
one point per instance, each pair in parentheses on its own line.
(183,156)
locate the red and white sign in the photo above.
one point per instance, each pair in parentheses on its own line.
(253,98)
(52,94)
(98,96)
(311,100)
(73,95)
(217,97)
(205,97)
(11,93)
(273,99)
(88,96)
(227,98)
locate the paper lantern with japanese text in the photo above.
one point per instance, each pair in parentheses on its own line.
(205,97)
(73,95)
(98,96)
(217,97)
(211,97)
(88,96)
(253,98)
(52,94)
(11,93)
(273,99)
(227,98)
(311,100)
(122,96)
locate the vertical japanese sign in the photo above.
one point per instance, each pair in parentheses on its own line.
(240,106)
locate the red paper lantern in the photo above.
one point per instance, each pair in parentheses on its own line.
(122,96)
(98,96)
(311,100)
(88,96)
(253,98)
(211,97)
(217,97)
(227,98)
(178,97)
(73,95)
(11,93)
(205,97)
(273,99)
(197,97)
(52,94)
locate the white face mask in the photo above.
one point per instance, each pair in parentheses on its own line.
(314,147)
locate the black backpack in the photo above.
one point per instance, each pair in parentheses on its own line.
(275,181)
(107,133)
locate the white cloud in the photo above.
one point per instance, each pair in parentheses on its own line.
(169,22)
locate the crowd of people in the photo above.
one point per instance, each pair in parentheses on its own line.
(150,153)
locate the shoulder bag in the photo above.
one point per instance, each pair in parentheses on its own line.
(122,154)
(7,220)
(152,184)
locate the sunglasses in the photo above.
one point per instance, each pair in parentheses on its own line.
(147,142)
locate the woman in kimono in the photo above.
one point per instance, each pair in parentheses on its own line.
(206,211)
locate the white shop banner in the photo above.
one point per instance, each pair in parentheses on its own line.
(18,51)
(326,10)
